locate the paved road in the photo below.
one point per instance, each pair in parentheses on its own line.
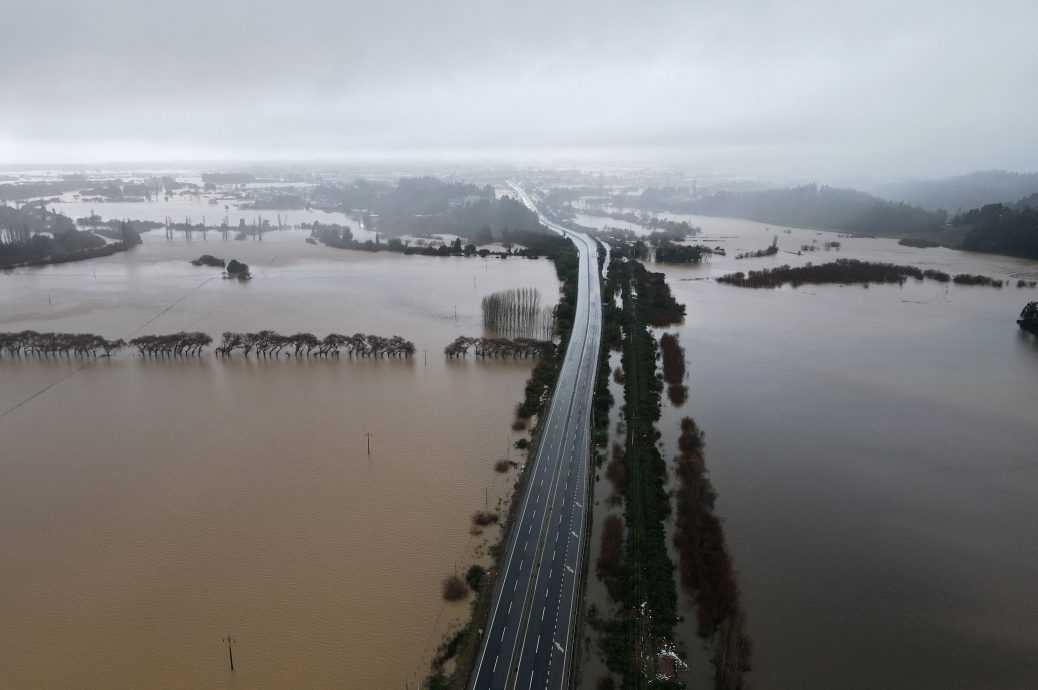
(526,642)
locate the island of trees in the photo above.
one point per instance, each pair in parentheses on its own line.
(32,235)
(847,272)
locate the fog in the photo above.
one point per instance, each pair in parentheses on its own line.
(809,87)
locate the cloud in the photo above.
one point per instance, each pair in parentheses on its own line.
(924,85)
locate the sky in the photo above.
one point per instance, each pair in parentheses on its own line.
(795,88)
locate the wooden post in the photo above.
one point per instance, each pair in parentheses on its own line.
(368,434)
(230,654)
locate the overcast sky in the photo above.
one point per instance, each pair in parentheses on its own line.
(801,88)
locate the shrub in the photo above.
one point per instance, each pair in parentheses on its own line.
(484,518)
(454,588)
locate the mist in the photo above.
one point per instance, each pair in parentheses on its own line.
(783,89)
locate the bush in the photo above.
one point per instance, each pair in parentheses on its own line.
(484,518)
(474,576)
(454,588)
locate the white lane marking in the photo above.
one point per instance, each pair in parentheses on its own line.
(510,603)
(577,504)
(561,649)
(567,568)
(503,631)
(538,647)
(574,534)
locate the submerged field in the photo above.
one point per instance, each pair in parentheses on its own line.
(150,507)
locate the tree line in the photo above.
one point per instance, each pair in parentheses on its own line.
(183,344)
(846,272)
(500,347)
(272,344)
(706,566)
(518,310)
(36,344)
(674,368)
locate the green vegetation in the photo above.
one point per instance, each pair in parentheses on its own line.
(809,206)
(667,252)
(426,205)
(209,260)
(239,270)
(32,235)
(771,250)
(271,344)
(918,242)
(1028,320)
(846,272)
(705,565)
(1000,229)
(962,191)
(631,641)
(33,344)
(674,368)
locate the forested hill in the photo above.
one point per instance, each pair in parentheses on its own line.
(420,205)
(1002,229)
(962,192)
(809,206)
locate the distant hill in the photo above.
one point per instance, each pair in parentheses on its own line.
(962,192)
(1002,229)
(809,206)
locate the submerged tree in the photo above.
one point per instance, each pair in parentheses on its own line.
(34,344)
(1028,320)
(518,312)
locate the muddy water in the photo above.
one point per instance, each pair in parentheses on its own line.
(873,451)
(149,508)
(198,209)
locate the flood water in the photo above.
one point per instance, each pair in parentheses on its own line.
(148,508)
(874,455)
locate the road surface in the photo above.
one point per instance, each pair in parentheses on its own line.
(527,639)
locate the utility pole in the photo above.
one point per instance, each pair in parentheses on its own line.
(368,434)
(230,654)
(425,352)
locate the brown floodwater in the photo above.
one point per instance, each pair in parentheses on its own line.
(874,454)
(148,508)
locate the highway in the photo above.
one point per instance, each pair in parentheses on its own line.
(530,629)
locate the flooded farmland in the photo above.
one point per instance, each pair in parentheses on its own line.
(873,452)
(151,507)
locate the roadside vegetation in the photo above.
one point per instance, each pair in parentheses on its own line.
(632,641)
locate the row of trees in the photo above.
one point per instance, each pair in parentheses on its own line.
(500,347)
(264,343)
(674,368)
(518,311)
(705,565)
(172,344)
(272,344)
(46,344)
